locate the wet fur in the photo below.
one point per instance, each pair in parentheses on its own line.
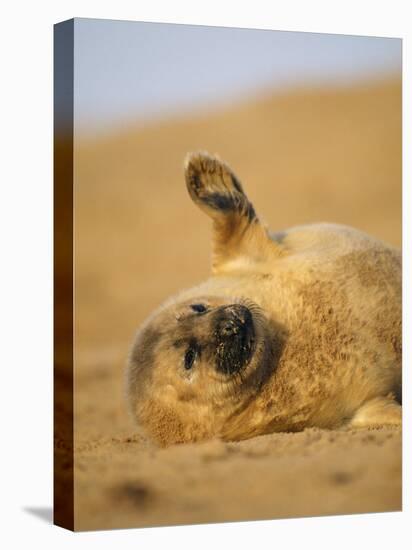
(326,301)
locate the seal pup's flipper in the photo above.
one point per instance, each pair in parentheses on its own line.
(380,411)
(240,240)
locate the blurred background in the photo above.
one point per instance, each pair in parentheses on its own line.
(130,73)
(311,124)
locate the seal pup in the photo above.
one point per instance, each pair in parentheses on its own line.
(301,328)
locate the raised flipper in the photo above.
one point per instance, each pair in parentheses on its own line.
(240,241)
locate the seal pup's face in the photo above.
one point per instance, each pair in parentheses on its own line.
(193,365)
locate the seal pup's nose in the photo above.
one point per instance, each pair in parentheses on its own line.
(234,338)
(235,316)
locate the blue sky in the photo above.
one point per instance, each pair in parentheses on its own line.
(130,72)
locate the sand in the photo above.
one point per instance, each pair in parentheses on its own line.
(304,156)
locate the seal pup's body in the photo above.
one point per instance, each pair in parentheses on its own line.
(296,329)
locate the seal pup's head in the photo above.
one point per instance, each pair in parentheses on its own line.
(194,365)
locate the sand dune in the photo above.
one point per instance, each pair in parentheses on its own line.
(303,156)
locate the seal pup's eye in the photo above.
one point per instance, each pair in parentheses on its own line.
(190,357)
(199,308)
